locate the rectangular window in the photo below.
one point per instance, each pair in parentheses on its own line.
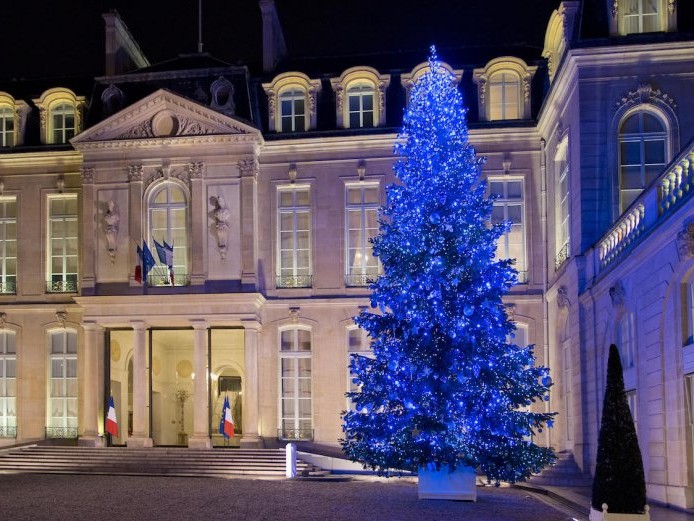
(63,123)
(509,207)
(360,106)
(6,127)
(504,97)
(294,237)
(641,16)
(62,393)
(8,244)
(562,205)
(293,111)
(361,211)
(626,339)
(8,385)
(296,421)
(62,247)
(357,344)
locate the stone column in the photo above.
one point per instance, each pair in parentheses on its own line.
(250,436)
(90,387)
(135,193)
(140,436)
(248,170)
(197,208)
(201,425)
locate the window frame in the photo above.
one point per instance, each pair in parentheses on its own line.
(50,101)
(65,425)
(69,280)
(562,200)
(505,201)
(288,81)
(300,277)
(355,77)
(297,93)
(666,18)
(8,136)
(366,272)
(360,90)
(8,400)
(504,65)
(8,282)
(295,355)
(364,350)
(508,99)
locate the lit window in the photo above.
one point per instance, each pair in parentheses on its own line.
(62,391)
(642,154)
(7,127)
(8,385)
(294,237)
(357,344)
(63,122)
(561,168)
(641,16)
(293,110)
(504,96)
(295,384)
(626,339)
(8,244)
(62,243)
(360,106)
(362,225)
(508,207)
(690,312)
(168,221)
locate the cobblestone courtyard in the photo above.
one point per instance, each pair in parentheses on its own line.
(59,497)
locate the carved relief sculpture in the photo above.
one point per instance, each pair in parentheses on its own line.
(111,220)
(685,241)
(221,224)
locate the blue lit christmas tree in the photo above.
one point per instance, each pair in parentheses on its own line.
(444,386)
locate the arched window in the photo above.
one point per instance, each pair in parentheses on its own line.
(62,384)
(168,222)
(293,110)
(7,126)
(296,417)
(360,105)
(8,384)
(504,96)
(642,154)
(62,122)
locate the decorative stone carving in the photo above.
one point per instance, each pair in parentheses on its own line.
(382,86)
(272,104)
(615,8)
(617,294)
(112,99)
(645,93)
(61,317)
(142,130)
(563,301)
(685,241)
(196,170)
(339,97)
(248,168)
(135,173)
(3,317)
(312,101)
(111,219)
(221,224)
(671,6)
(87,175)
(482,82)
(526,87)
(294,313)
(510,309)
(192,127)
(222,92)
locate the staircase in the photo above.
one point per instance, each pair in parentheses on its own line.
(564,473)
(159,461)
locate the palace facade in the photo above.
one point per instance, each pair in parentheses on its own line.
(267,186)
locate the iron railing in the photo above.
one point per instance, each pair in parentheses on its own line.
(295,434)
(294,281)
(562,256)
(163,280)
(360,279)
(61,286)
(522,277)
(8,432)
(61,432)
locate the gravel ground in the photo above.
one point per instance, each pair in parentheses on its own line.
(32,497)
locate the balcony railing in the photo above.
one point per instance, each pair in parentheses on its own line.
(163,280)
(669,190)
(295,434)
(8,432)
(8,288)
(294,281)
(522,277)
(61,286)
(562,256)
(61,432)
(360,279)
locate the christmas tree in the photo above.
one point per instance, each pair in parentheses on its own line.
(444,387)
(619,480)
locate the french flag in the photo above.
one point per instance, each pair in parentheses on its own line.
(111,420)
(228,421)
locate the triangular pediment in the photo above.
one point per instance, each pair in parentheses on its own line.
(164,114)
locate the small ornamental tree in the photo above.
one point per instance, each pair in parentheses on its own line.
(619,480)
(444,386)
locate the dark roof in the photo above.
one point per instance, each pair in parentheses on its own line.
(185,62)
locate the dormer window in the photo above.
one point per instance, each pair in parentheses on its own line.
(504,89)
(642,16)
(360,106)
(360,94)
(7,126)
(292,102)
(61,115)
(293,110)
(409,79)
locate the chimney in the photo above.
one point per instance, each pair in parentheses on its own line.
(274,47)
(123,54)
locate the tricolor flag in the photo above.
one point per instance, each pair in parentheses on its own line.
(226,425)
(111,420)
(147,262)
(166,255)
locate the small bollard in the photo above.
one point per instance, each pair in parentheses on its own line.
(291,460)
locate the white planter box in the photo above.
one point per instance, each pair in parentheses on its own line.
(595,515)
(442,484)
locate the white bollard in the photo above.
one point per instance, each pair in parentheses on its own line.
(291,460)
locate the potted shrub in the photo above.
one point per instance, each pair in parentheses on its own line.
(619,487)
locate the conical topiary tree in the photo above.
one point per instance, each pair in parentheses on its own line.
(619,479)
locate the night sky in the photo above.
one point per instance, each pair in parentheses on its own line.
(66,38)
